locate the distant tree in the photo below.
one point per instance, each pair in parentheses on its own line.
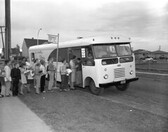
(17,50)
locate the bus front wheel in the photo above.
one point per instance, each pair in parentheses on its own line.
(122,87)
(95,90)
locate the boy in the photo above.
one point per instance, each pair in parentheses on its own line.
(16,76)
(64,76)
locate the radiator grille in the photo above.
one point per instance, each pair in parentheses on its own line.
(119,72)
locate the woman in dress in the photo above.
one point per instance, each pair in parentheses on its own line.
(73,67)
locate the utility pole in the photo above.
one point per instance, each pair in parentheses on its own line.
(7,30)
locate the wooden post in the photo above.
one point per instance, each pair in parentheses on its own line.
(7,29)
(57,60)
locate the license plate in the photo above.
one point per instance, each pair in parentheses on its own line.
(122,82)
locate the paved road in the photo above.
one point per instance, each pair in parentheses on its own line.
(147,94)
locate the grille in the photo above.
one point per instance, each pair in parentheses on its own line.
(119,72)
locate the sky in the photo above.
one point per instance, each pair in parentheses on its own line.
(144,21)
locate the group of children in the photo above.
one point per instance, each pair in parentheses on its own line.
(19,76)
(14,79)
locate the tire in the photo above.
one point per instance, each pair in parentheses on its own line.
(122,87)
(95,90)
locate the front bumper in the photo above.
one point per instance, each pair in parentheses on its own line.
(119,82)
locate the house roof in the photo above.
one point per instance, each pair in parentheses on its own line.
(141,51)
(32,42)
(159,52)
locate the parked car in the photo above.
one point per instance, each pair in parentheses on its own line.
(149,59)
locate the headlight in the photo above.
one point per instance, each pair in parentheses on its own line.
(105,76)
(131,72)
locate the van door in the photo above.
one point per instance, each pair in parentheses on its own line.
(88,65)
(77,52)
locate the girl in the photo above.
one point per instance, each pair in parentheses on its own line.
(23,79)
(37,77)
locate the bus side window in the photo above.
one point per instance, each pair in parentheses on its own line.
(32,56)
(63,54)
(87,57)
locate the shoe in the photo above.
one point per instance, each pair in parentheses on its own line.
(72,88)
(1,96)
(21,93)
(61,90)
(66,90)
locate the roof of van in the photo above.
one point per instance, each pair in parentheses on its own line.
(83,42)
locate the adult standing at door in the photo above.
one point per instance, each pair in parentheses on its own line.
(73,67)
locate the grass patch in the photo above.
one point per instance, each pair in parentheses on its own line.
(153,67)
(76,111)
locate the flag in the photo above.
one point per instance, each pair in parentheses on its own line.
(53,38)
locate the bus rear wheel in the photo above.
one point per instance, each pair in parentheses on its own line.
(95,90)
(122,87)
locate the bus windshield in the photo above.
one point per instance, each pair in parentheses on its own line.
(109,51)
(123,49)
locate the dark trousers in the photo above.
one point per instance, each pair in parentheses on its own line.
(64,81)
(15,87)
(42,83)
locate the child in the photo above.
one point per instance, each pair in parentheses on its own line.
(16,76)
(64,76)
(37,77)
(43,75)
(23,79)
(30,79)
(7,78)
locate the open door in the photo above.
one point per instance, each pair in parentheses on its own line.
(77,52)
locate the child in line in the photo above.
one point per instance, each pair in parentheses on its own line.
(7,79)
(30,78)
(16,76)
(64,76)
(23,79)
(38,73)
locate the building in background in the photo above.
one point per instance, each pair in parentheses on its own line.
(27,43)
(142,54)
(159,54)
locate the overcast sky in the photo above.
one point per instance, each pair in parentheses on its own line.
(145,21)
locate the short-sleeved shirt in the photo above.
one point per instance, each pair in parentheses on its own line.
(63,69)
(51,67)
